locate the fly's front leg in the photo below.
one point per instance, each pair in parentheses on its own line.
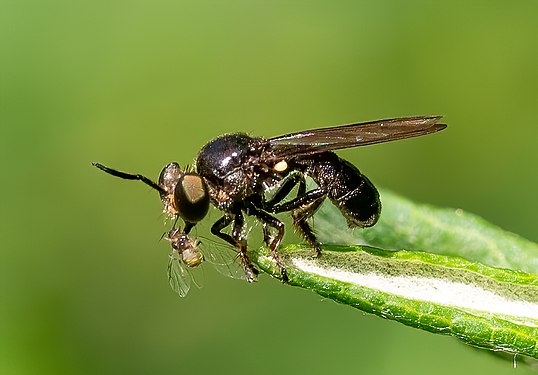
(188,227)
(273,243)
(236,241)
(237,234)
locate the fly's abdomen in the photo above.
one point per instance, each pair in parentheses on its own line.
(356,197)
(347,188)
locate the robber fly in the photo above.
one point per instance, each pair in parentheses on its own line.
(235,171)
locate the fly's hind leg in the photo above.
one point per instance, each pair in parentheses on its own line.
(300,217)
(285,188)
(237,241)
(303,207)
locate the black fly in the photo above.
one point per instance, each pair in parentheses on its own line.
(234,172)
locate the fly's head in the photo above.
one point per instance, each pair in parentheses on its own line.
(184,193)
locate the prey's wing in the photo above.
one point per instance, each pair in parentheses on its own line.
(178,275)
(353,135)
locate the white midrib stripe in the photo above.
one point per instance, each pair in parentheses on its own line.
(439,291)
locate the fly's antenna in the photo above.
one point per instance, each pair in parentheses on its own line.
(129,176)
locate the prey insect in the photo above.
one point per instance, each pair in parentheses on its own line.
(189,253)
(184,256)
(235,173)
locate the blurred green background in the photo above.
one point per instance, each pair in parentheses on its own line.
(137,84)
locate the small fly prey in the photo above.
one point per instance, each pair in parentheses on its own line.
(189,253)
(185,255)
(234,172)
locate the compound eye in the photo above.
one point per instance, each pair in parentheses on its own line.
(169,176)
(191,198)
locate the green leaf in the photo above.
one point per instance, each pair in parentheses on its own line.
(411,226)
(435,289)
(486,307)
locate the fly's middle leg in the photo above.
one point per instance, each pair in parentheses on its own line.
(273,242)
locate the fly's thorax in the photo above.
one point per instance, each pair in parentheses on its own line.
(228,164)
(221,160)
(179,240)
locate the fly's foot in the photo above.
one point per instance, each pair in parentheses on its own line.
(283,274)
(317,250)
(251,273)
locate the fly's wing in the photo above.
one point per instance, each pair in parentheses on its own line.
(353,135)
(223,258)
(178,275)
(197,275)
